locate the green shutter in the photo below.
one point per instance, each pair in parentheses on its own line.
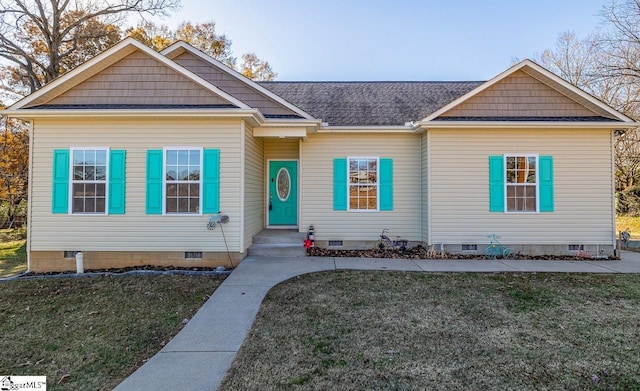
(545,173)
(340,184)
(60,188)
(386,184)
(117,162)
(154,181)
(496,183)
(211,181)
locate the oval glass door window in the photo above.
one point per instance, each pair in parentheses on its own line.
(283,182)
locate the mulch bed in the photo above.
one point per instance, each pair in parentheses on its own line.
(132,269)
(420,252)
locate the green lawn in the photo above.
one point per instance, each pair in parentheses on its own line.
(13,253)
(91,333)
(356,330)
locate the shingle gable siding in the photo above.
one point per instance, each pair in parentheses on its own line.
(138,80)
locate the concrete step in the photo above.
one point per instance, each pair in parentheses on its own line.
(276,236)
(281,250)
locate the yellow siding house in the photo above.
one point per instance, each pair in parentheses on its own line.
(134,152)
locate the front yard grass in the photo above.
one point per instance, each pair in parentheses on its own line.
(91,333)
(416,331)
(13,252)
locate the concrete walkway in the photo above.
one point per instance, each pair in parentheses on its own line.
(200,355)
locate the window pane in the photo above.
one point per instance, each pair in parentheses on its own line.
(100,208)
(172,190)
(183,157)
(172,157)
(89,173)
(172,173)
(183,190)
(78,173)
(194,158)
(89,156)
(183,205)
(89,205)
(101,157)
(194,205)
(90,190)
(78,205)
(100,189)
(194,175)
(183,173)
(172,205)
(101,173)
(78,157)
(194,190)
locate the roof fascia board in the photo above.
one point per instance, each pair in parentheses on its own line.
(423,125)
(532,65)
(366,129)
(124,113)
(185,46)
(124,45)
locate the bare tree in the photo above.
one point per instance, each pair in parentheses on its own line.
(41,39)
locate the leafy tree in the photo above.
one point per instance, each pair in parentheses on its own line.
(42,39)
(14,169)
(255,68)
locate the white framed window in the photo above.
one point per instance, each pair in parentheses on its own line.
(182,180)
(521,183)
(89,173)
(363,191)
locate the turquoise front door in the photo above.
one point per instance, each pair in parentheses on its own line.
(283,193)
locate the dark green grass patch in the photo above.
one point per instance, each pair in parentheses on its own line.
(91,333)
(416,331)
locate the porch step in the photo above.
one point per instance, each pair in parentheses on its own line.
(278,243)
(278,250)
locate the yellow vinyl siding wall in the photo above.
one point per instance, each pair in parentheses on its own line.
(316,174)
(285,149)
(254,186)
(519,95)
(231,85)
(135,230)
(138,79)
(459,187)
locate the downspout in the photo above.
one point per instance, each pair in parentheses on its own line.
(242,182)
(29,195)
(613,189)
(429,241)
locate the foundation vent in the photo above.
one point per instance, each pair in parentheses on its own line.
(193,255)
(469,247)
(576,247)
(70,254)
(335,243)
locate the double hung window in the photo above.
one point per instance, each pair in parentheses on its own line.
(521,183)
(183,182)
(363,183)
(89,181)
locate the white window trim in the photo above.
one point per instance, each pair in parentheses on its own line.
(526,155)
(377,209)
(106,181)
(164,180)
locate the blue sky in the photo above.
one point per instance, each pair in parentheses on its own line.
(392,39)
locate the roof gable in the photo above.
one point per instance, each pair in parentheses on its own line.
(128,54)
(138,79)
(251,93)
(526,90)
